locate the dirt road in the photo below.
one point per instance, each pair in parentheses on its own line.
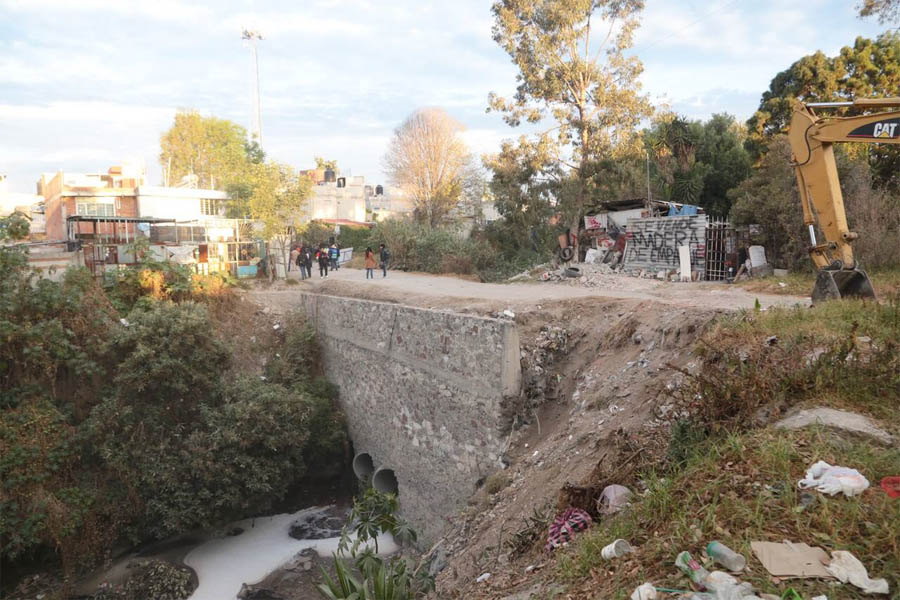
(451,292)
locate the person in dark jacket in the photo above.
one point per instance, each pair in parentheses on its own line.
(385,257)
(301,261)
(334,254)
(322,256)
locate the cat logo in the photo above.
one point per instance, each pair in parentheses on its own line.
(885,130)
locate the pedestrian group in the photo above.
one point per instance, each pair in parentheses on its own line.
(328,257)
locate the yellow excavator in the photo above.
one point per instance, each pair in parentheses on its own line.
(812,138)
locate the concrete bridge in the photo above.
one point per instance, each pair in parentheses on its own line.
(428,396)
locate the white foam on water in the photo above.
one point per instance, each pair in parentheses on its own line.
(223,564)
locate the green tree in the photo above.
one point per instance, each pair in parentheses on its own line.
(721,149)
(673,142)
(588,90)
(321,163)
(769,198)
(275,196)
(212,150)
(522,195)
(869,68)
(887,11)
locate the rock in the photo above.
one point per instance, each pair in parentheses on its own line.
(254,593)
(326,523)
(839,419)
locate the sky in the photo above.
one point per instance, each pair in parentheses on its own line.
(90,83)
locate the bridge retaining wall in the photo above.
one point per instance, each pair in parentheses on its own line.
(427,394)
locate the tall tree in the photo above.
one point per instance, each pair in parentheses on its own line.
(887,11)
(721,148)
(588,90)
(275,196)
(321,163)
(429,161)
(212,151)
(673,142)
(869,68)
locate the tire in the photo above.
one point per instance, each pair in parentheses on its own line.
(566,254)
(573,272)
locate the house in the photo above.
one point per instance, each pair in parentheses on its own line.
(342,199)
(117,197)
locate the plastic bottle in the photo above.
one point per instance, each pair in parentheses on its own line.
(688,565)
(725,556)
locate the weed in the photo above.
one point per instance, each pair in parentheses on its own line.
(496,482)
(740,488)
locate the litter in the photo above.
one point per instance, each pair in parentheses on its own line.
(791,560)
(691,567)
(725,556)
(613,498)
(891,486)
(645,591)
(565,526)
(723,586)
(617,549)
(847,567)
(509,314)
(832,480)
(483,577)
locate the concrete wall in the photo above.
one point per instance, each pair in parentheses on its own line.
(653,243)
(426,394)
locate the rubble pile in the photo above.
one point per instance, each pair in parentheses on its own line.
(536,359)
(585,274)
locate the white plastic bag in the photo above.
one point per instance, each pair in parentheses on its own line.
(725,587)
(832,480)
(645,591)
(847,567)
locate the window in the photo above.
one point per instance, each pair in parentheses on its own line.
(92,208)
(209,207)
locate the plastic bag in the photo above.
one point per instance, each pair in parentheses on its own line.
(645,591)
(832,480)
(847,567)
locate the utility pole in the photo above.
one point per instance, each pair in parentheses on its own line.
(252,36)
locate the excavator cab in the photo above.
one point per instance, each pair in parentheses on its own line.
(834,284)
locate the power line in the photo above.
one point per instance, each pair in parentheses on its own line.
(706,16)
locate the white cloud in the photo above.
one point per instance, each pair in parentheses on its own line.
(100,112)
(163,10)
(280,24)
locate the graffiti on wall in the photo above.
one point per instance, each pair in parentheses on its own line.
(653,243)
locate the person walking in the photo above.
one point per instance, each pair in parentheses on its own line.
(333,254)
(307,256)
(385,257)
(295,252)
(370,264)
(322,255)
(301,261)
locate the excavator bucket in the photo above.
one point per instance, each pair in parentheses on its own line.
(842,283)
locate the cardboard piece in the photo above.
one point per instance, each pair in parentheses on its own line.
(792,560)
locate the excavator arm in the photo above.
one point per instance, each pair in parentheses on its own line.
(812,139)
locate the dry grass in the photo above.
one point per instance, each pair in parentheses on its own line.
(725,480)
(736,490)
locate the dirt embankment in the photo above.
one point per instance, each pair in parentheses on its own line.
(599,398)
(605,405)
